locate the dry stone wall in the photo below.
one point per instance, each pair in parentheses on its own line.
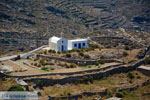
(86,77)
(77,61)
(100,93)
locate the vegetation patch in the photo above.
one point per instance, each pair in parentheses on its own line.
(45,68)
(147,60)
(16,88)
(108,83)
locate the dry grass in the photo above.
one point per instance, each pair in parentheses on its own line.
(6,84)
(96,85)
(141,93)
(131,55)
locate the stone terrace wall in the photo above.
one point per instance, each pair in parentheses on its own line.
(86,77)
(76,96)
(115,41)
(100,93)
(144,71)
(78,61)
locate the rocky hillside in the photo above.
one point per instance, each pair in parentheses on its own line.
(73,16)
(40,19)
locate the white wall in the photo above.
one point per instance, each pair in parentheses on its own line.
(65,45)
(62,42)
(71,44)
(53,46)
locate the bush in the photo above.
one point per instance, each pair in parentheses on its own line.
(127,47)
(81,54)
(87,57)
(68,55)
(130,75)
(16,88)
(51,51)
(39,82)
(101,62)
(45,69)
(109,93)
(94,46)
(138,77)
(125,54)
(35,64)
(73,50)
(45,52)
(119,94)
(42,62)
(147,60)
(59,52)
(39,65)
(52,68)
(97,63)
(66,65)
(73,66)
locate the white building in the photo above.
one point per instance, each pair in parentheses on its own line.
(58,44)
(77,44)
(62,44)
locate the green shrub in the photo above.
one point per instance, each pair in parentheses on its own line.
(97,63)
(109,93)
(138,76)
(89,66)
(101,62)
(68,55)
(16,88)
(147,60)
(45,52)
(42,62)
(130,75)
(127,47)
(51,51)
(66,65)
(39,82)
(52,68)
(73,50)
(125,54)
(59,52)
(93,46)
(45,69)
(81,54)
(120,94)
(35,64)
(87,56)
(73,65)
(39,65)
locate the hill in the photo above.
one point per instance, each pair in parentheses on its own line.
(41,19)
(73,16)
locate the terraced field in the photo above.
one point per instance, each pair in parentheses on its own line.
(40,19)
(95,14)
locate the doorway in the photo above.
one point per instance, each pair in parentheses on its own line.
(62,48)
(79,45)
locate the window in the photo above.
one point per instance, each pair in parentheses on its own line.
(79,46)
(75,45)
(83,44)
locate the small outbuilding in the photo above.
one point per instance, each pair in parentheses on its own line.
(77,44)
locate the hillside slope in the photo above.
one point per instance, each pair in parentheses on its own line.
(52,16)
(24,22)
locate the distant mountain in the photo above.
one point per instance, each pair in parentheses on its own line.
(73,16)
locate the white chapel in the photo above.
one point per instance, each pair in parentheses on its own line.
(62,44)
